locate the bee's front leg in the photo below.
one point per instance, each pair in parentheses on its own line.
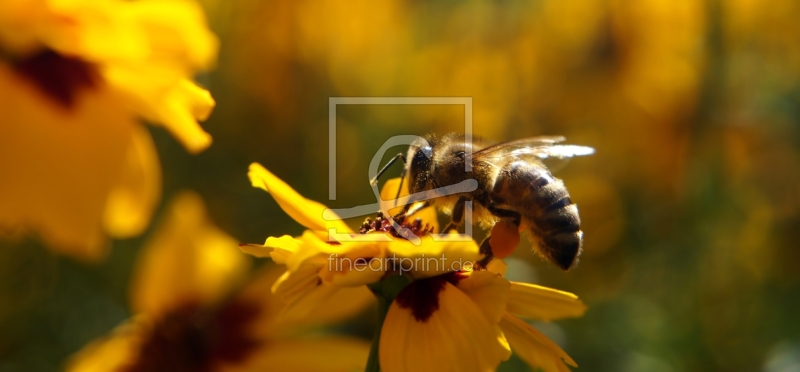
(457,217)
(410,208)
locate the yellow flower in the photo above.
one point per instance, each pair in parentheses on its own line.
(320,262)
(443,319)
(75,78)
(447,318)
(196,312)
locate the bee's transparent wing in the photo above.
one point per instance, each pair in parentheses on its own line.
(543,149)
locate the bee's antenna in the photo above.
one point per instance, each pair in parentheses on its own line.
(374,180)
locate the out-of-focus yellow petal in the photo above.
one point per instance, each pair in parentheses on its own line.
(258,290)
(533,347)
(457,335)
(112,352)
(130,204)
(176,104)
(426,215)
(171,33)
(179,111)
(327,353)
(345,303)
(176,29)
(147,51)
(542,303)
(188,259)
(435,257)
(306,212)
(489,291)
(60,165)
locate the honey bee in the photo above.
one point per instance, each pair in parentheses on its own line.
(514,186)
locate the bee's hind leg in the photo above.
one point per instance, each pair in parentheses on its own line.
(486,250)
(486,247)
(515,217)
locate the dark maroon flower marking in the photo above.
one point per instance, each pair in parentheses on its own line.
(383,224)
(59,77)
(422,296)
(196,338)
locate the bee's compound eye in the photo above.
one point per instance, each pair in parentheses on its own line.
(427,151)
(461,154)
(422,158)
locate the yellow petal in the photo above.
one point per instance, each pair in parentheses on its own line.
(141,33)
(130,204)
(279,249)
(339,306)
(177,30)
(309,300)
(533,347)
(112,352)
(458,335)
(292,285)
(283,248)
(188,259)
(434,257)
(146,51)
(60,165)
(343,303)
(179,110)
(332,353)
(306,212)
(256,250)
(487,290)
(346,264)
(536,302)
(311,251)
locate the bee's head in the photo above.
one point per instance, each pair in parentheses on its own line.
(420,155)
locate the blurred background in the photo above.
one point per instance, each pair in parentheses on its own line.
(690,206)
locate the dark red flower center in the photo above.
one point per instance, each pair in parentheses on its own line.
(57,76)
(422,296)
(196,338)
(383,224)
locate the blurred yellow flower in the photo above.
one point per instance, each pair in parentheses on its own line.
(75,77)
(196,312)
(447,315)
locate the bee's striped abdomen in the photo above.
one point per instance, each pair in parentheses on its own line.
(544,204)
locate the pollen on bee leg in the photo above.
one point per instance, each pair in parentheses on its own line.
(504,238)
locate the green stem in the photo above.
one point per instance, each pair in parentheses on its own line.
(373,363)
(385,290)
